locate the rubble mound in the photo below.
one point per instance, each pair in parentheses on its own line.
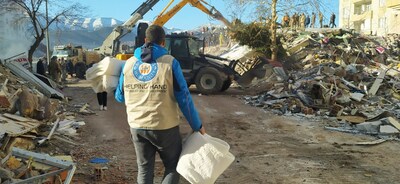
(334,73)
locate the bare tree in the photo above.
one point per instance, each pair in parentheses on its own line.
(59,11)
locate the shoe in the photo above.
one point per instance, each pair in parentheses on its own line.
(104,108)
(101,107)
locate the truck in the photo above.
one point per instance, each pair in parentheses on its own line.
(81,58)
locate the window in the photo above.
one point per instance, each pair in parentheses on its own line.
(382,3)
(382,22)
(179,48)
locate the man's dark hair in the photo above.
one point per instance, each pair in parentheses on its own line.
(155,34)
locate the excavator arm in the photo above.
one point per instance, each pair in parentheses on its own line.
(164,16)
(110,45)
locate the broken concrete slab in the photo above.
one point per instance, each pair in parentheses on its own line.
(356,96)
(372,127)
(388,129)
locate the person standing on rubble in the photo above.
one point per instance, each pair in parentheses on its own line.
(302,21)
(221,39)
(55,69)
(307,23)
(321,19)
(313,20)
(285,20)
(294,18)
(153,88)
(332,21)
(292,22)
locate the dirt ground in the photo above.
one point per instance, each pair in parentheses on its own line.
(268,148)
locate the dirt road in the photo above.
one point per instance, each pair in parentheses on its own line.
(268,148)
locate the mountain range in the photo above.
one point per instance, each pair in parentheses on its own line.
(90,32)
(89,24)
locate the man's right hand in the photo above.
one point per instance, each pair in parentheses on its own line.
(202,130)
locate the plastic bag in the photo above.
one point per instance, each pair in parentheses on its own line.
(204,158)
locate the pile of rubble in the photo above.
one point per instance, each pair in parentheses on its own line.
(336,73)
(33,119)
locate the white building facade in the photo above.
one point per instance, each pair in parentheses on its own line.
(376,17)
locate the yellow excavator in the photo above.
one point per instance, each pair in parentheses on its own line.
(165,15)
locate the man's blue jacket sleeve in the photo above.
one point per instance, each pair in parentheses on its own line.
(183,97)
(119,92)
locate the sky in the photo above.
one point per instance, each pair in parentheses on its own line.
(187,18)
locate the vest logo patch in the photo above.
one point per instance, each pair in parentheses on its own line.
(145,72)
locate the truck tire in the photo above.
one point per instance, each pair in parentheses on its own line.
(226,85)
(80,70)
(208,81)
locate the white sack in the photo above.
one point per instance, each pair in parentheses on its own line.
(107,66)
(103,83)
(204,159)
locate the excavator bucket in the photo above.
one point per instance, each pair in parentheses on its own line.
(260,68)
(247,77)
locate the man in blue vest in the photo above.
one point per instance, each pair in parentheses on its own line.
(154,90)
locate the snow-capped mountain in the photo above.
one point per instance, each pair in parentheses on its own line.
(91,32)
(90,24)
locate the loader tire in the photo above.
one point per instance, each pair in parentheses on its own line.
(208,81)
(226,85)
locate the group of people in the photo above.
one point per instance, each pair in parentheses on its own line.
(58,68)
(302,21)
(215,36)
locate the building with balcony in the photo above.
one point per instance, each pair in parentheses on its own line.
(377,17)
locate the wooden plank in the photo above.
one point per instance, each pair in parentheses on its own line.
(16,128)
(18,118)
(377,83)
(394,122)
(2,118)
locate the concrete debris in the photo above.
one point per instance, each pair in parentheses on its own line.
(21,167)
(28,108)
(335,73)
(369,127)
(26,75)
(387,129)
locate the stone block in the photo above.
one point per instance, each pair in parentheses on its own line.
(371,127)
